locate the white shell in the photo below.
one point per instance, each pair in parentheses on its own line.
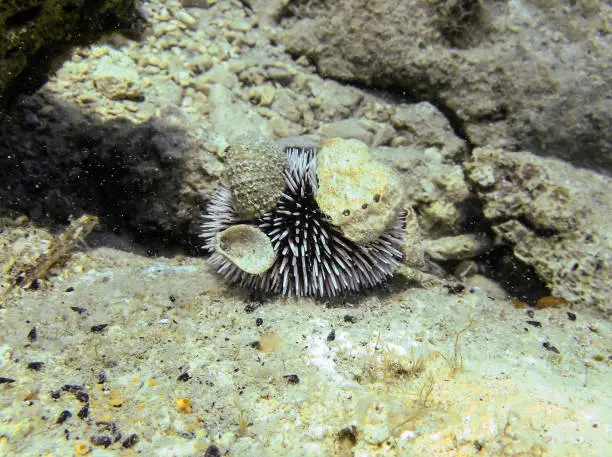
(247,247)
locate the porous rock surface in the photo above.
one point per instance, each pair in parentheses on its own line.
(525,74)
(557,218)
(360,195)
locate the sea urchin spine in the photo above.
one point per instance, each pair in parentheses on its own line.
(313,257)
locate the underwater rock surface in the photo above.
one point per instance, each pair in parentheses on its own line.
(35,33)
(122,348)
(520,75)
(557,218)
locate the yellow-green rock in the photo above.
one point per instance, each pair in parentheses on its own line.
(360,195)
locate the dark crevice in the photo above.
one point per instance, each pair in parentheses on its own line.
(499,263)
(518,279)
(540,232)
(455,121)
(22,18)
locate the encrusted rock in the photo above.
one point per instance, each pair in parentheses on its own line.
(556,218)
(361,196)
(255,168)
(247,247)
(459,247)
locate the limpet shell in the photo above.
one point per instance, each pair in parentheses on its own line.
(247,247)
(255,167)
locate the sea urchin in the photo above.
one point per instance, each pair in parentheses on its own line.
(313,257)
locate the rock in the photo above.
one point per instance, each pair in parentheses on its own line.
(285,105)
(269,11)
(459,247)
(219,74)
(262,95)
(509,75)
(424,126)
(334,101)
(412,247)
(187,19)
(280,74)
(437,189)
(116,77)
(247,247)
(35,33)
(361,196)
(347,129)
(556,217)
(227,113)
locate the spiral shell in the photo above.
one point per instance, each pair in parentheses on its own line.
(255,167)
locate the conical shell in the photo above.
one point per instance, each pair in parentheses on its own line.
(255,167)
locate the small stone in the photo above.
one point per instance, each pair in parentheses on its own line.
(280,75)
(63,417)
(347,129)
(186,18)
(130,441)
(240,26)
(262,95)
(484,176)
(292,378)
(459,247)
(35,366)
(33,334)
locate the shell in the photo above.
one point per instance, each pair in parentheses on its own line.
(247,247)
(255,168)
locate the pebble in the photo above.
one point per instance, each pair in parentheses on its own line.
(186,18)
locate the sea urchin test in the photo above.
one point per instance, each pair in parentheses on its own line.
(312,254)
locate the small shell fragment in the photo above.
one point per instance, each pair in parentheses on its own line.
(247,247)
